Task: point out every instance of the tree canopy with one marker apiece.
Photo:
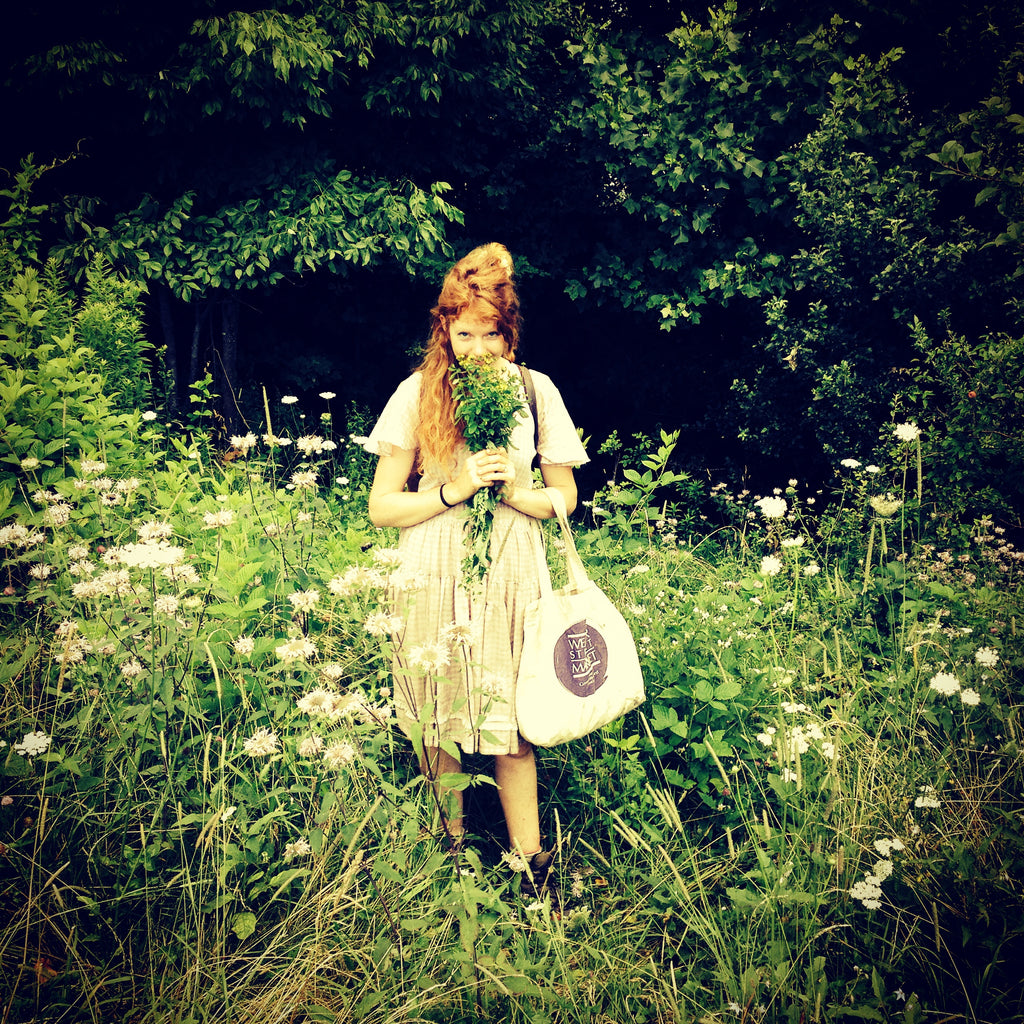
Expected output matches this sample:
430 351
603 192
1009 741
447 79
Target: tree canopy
762 199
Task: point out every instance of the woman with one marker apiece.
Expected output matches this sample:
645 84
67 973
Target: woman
457 652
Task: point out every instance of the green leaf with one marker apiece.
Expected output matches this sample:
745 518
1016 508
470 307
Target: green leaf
243 924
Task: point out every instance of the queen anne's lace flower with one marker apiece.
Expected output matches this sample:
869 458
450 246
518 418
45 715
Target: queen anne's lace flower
907 431
771 565
34 743
987 657
886 506
772 508
154 555
944 683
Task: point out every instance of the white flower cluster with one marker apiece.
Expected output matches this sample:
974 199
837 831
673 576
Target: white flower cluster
907 432
314 444
790 742
946 684
869 889
772 508
299 848
885 506
927 799
146 555
262 743
17 536
219 519
987 657
304 600
297 649
356 578
33 744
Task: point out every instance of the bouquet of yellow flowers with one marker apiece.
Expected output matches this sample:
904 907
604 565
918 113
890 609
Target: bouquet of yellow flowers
488 400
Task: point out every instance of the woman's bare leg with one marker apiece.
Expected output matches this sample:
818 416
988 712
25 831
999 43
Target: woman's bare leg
516 776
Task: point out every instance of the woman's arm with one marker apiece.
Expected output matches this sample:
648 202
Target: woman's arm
534 502
390 504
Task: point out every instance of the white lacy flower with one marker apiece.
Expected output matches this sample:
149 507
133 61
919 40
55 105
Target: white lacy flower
771 565
296 649
299 848
262 742
886 506
166 604
317 701
850 463
970 697
304 600
215 520
304 479
339 754
243 646
244 443
944 683
152 555
772 508
907 431
310 746
987 657
33 743
155 531
429 658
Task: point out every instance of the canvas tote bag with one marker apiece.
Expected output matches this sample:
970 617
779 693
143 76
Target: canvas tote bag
579 668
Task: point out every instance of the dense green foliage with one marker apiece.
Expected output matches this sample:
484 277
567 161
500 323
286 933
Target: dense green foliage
788 238
771 196
206 813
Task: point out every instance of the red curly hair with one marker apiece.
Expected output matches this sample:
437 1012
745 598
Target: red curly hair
482 282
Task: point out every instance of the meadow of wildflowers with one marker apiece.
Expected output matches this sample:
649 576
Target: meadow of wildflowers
207 813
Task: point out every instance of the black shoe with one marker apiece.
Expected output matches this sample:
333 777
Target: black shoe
539 876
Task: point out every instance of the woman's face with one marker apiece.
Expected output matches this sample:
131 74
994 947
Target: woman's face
473 336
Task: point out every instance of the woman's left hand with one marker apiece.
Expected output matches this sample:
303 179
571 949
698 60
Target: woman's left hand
503 476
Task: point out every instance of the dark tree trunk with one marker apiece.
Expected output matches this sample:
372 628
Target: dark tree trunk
228 361
173 398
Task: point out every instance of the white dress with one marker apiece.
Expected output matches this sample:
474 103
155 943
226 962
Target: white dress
457 653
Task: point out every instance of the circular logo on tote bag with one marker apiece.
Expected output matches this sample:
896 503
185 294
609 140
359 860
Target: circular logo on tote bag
581 659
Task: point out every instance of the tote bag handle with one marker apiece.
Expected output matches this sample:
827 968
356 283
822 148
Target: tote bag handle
578 579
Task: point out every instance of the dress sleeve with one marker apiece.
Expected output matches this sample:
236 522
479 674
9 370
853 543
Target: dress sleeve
558 443
398 423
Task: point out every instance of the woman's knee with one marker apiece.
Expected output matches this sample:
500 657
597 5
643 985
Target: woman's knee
524 752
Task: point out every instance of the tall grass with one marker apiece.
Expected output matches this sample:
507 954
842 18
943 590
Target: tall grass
208 816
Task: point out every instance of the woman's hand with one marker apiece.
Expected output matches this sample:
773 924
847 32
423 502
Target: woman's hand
482 469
